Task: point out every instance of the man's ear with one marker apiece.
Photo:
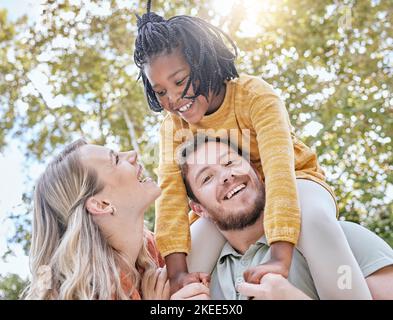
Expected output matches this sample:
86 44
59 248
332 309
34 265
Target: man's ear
198 209
97 207
254 167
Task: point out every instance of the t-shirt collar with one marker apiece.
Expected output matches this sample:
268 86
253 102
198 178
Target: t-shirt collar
228 250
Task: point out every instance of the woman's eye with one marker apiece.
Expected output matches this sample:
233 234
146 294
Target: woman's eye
206 179
160 93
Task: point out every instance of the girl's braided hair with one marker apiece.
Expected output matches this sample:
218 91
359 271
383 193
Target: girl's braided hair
202 44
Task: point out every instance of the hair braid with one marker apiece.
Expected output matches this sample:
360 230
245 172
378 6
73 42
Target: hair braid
203 45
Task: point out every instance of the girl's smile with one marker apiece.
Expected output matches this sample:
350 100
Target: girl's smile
168 75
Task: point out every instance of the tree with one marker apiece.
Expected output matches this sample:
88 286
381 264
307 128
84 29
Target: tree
11 287
14 61
330 61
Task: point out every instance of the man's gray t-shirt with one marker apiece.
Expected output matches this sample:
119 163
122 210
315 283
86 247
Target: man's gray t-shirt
371 252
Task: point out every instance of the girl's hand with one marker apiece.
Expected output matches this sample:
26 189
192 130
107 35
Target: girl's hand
161 286
272 287
192 291
184 278
279 263
256 274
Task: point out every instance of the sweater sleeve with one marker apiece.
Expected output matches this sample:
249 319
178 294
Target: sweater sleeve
153 250
270 119
172 231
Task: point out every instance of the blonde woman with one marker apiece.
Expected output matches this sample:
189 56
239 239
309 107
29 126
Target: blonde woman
89 239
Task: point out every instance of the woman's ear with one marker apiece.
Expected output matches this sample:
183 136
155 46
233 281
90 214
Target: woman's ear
97 207
198 209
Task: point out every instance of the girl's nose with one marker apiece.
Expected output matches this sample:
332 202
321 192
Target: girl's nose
173 99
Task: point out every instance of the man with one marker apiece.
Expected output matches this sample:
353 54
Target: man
224 188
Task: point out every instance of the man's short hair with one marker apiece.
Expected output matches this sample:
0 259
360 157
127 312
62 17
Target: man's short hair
191 146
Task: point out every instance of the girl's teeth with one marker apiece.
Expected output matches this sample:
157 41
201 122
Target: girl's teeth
186 107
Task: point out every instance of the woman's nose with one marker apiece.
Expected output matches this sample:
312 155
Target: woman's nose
131 156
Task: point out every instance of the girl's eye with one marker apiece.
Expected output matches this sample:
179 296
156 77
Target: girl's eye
117 158
180 82
160 93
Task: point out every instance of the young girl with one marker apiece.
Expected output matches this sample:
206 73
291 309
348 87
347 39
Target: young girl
188 71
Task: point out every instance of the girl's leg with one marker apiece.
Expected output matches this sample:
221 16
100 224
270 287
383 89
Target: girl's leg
333 267
206 245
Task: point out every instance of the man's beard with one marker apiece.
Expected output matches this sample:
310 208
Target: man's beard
226 221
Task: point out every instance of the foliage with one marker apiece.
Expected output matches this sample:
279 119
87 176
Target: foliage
11 287
331 62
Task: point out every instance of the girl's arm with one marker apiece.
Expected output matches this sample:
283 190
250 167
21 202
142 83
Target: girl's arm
172 232
172 223
271 122
273 134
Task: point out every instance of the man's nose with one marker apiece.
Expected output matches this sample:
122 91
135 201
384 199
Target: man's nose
227 176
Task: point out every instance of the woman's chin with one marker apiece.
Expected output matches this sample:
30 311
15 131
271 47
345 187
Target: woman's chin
157 191
152 190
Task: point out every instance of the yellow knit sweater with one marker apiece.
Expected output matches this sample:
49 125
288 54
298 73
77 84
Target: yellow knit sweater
250 107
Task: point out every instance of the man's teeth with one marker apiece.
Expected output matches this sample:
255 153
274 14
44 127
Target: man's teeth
232 192
186 107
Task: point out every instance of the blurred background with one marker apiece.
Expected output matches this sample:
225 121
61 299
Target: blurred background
66 71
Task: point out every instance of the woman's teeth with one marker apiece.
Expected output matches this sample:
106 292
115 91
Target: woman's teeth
140 176
186 107
146 179
143 179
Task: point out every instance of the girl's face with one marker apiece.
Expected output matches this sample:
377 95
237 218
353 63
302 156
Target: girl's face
122 177
168 75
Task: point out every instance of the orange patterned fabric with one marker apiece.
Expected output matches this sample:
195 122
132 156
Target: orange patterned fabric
250 106
152 248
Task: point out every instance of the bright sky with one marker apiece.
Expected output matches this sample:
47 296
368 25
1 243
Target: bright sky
17 8
12 182
12 169
11 166
11 189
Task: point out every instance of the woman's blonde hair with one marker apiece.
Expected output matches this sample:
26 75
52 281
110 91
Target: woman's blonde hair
69 256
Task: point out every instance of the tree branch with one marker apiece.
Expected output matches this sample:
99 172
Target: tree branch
131 130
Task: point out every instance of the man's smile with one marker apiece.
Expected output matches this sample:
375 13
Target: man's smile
233 190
